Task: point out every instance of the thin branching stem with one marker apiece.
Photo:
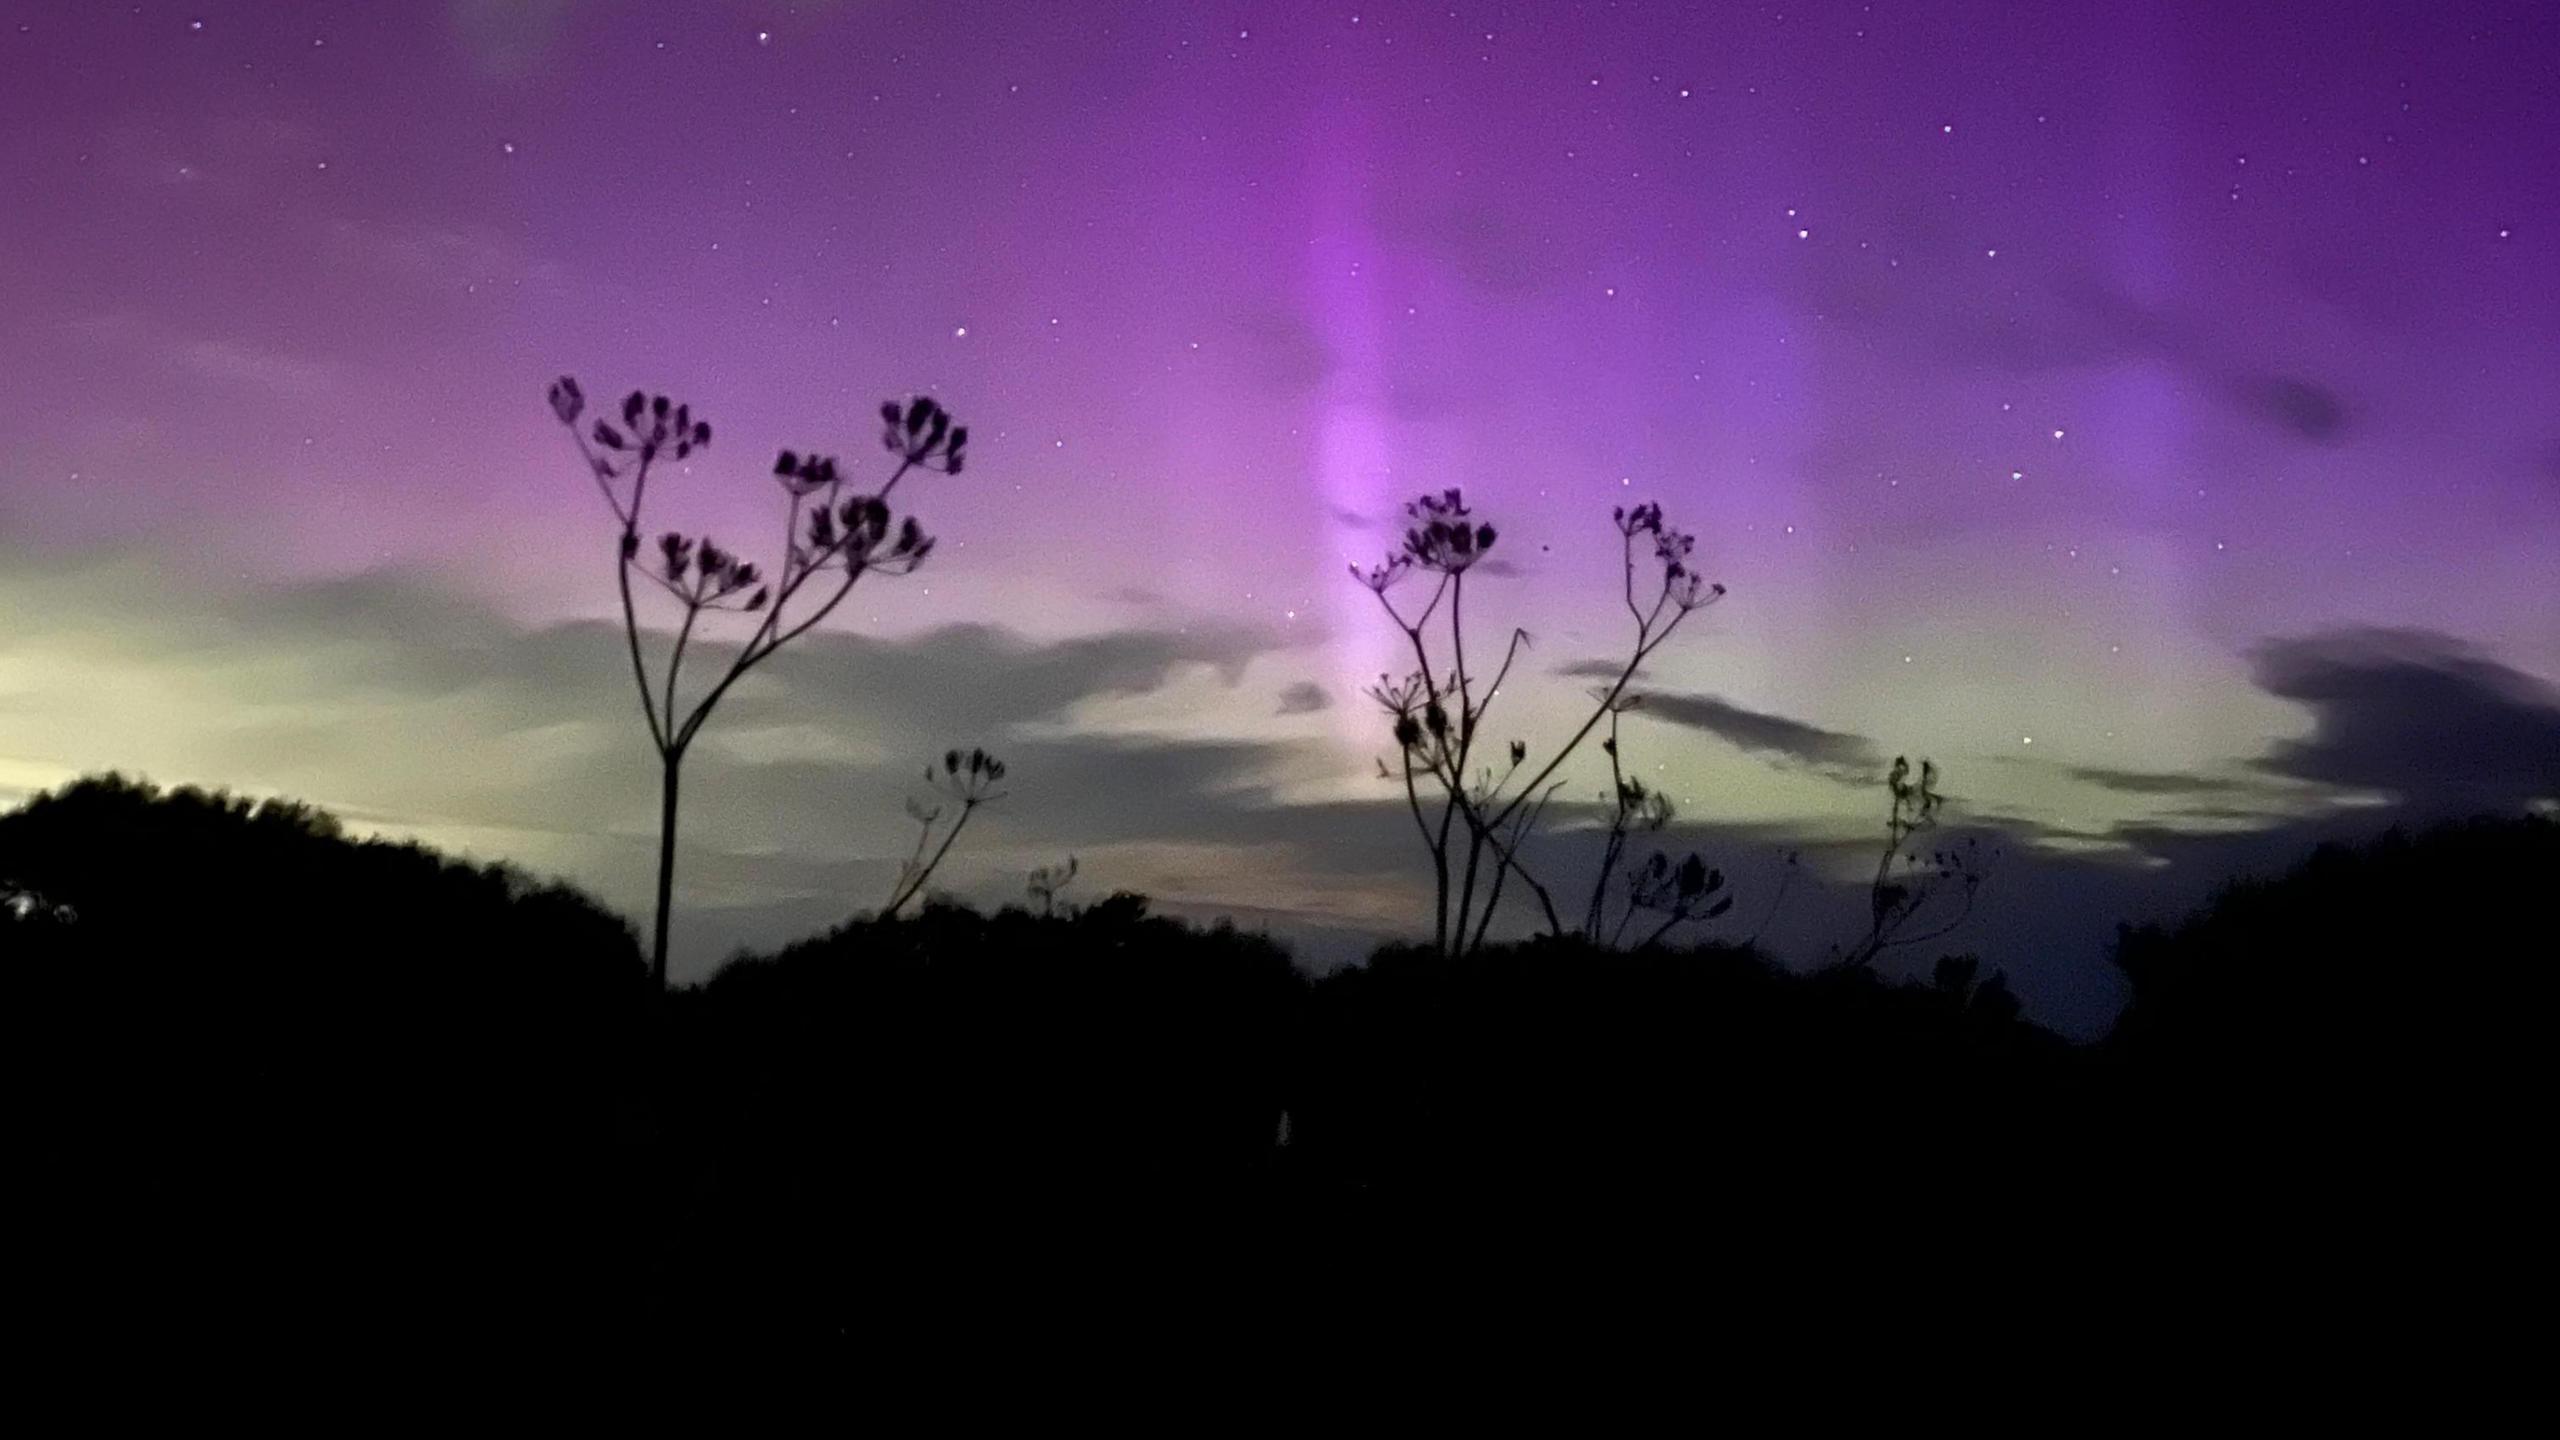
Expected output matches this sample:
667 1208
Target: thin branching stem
1441 743
675 657
915 883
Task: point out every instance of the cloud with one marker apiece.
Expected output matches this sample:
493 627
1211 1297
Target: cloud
1490 248
1596 670
2150 782
1852 759
1281 351
2415 715
1306 697
224 361
253 366
2084 322
2125 327
437 255
2310 410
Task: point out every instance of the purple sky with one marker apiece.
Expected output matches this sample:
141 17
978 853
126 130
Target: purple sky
2051 384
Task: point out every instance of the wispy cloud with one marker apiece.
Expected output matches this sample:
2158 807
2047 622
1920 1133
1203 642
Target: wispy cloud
2156 782
1596 669
223 360
1306 697
1851 759
438 254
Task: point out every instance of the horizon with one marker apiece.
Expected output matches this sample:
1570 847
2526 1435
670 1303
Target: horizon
2148 417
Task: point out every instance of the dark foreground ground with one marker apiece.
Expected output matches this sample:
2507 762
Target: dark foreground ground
270 1084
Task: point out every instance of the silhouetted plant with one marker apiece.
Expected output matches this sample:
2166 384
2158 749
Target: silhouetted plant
1789 866
1437 714
829 532
967 781
1689 890
1955 976
1046 881
1899 896
1633 807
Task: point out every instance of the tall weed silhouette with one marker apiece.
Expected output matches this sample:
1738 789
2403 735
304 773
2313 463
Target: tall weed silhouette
1476 818
832 538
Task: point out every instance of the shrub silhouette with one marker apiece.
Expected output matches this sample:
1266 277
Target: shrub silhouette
257 1057
828 533
2376 1010
258 1050
885 1107
1560 1068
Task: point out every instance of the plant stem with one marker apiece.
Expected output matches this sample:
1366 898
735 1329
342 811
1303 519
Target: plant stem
674 769
908 892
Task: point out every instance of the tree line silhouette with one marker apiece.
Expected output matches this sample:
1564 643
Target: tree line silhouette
259 1053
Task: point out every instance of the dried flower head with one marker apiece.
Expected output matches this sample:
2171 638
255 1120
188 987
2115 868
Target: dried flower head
652 425
1397 697
804 474
1443 537
1694 592
567 400
921 433
1383 576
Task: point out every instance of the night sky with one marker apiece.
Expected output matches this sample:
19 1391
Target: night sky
2151 411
